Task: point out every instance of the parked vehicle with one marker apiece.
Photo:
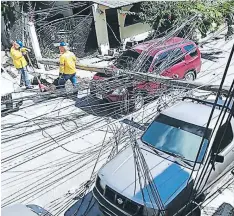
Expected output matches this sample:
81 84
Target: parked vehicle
176 58
170 147
24 210
10 99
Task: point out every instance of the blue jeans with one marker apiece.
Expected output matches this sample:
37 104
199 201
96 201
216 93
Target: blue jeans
65 77
24 76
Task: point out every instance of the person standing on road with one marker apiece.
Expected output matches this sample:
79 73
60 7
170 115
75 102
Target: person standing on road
17 53
67 69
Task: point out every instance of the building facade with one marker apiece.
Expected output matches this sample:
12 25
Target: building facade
116 25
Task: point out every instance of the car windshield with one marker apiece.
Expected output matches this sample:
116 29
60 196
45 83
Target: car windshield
128 58
177 137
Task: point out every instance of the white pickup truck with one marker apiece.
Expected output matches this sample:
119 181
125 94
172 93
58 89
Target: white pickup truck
170 147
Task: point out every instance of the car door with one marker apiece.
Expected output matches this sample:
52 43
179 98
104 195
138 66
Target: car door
226 147
175 64
192 57
156 67
223 145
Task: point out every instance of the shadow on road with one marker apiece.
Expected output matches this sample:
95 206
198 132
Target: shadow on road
98 107
212 56
86 206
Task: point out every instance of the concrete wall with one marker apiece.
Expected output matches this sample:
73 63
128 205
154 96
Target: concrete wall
132 30
101 27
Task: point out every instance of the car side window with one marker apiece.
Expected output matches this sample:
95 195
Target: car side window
191 49
223 137
160 59
177 56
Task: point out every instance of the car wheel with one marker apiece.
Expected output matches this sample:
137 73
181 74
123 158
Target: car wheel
189 76
138 101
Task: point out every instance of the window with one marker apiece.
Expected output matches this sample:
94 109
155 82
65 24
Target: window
168 58
223 138
175 136
148 61
191 49
158 64
177 56
132 17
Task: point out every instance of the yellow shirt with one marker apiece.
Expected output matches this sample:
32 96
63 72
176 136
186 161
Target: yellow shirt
67 63
18 59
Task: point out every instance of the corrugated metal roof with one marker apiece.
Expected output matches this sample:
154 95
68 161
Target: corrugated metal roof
116 3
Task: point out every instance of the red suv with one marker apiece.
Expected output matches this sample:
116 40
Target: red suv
176 58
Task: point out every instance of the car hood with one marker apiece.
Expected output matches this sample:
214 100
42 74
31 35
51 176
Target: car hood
17 209
169 177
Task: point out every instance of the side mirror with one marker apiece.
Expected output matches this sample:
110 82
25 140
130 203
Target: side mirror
219 158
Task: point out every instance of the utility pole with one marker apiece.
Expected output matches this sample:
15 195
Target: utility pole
145 76
33 36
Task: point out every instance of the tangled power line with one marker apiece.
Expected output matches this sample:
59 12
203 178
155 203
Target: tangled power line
59 127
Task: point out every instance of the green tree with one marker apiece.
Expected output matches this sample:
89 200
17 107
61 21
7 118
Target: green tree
164 15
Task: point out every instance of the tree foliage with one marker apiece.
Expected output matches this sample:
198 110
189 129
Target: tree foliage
162 15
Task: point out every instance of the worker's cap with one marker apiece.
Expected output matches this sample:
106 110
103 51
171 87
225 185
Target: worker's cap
63 44
20 43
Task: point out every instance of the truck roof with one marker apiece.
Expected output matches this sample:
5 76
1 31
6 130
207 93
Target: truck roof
193 113
171 42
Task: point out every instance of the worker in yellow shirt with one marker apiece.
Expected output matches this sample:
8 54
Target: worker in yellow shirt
17 53
67 70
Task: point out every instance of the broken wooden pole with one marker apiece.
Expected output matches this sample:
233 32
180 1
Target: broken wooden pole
80 66
146 76
178 83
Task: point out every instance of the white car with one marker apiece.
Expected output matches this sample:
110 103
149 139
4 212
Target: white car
170 146
24 210
11 98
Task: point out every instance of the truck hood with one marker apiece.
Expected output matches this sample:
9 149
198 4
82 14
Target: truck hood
121 175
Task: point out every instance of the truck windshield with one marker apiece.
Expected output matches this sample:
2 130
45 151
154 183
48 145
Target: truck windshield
177 137
128 58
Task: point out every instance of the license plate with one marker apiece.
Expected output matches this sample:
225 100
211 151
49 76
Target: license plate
99 96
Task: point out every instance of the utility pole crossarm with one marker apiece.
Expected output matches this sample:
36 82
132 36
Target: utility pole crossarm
80 66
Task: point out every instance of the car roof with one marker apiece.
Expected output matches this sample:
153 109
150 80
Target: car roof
170 43
193 113
16 210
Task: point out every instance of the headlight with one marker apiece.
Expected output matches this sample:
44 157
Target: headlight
119 91
102 184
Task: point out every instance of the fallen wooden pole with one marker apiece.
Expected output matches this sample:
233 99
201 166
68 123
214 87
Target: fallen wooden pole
179 83
80 66
146 76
